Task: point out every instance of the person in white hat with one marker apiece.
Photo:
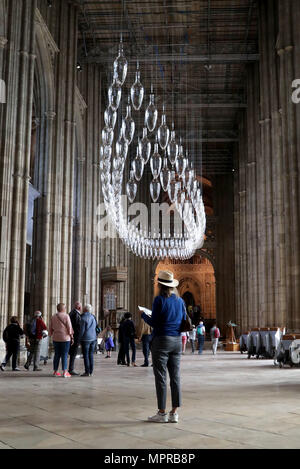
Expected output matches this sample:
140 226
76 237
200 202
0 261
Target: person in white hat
168 312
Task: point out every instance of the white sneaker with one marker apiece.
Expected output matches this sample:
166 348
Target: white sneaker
173 418
158 418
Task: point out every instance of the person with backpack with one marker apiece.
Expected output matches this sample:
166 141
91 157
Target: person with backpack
88 338
200 337
11 337
35 332
214 335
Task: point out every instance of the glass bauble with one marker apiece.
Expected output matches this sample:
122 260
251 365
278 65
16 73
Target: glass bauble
151 114
155 190
145 146
181 162
128 126
163 133
120 65
172 148
165 175
138 167
131 187
110 117
137 92
121 147
155 162
107 136
114 94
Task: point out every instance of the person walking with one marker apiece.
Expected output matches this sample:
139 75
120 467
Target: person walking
200 337
168 312
61 331
214 335
121 354
88 339
11 336
109 341
129 336
184 339
75 316
35 332
145 336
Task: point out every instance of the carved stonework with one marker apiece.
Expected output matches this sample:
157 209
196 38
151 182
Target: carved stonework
80 101
51 44
3 42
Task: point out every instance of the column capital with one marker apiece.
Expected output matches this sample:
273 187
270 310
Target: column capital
50 115
3 42
73 123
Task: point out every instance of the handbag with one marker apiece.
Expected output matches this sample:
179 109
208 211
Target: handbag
186 324
60 320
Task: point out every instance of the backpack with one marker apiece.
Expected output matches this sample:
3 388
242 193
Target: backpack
200 330
217 333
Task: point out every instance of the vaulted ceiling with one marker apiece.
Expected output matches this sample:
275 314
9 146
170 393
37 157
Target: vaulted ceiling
195 52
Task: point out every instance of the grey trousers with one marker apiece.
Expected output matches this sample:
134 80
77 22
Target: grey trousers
34 353
166 354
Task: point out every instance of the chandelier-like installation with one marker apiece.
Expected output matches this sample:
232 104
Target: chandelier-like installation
171 170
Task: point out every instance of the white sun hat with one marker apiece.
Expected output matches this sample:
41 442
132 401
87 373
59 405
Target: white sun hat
165 277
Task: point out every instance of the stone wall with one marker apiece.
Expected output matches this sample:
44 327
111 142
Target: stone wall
267 184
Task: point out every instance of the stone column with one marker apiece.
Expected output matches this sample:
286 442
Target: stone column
288 50
21 158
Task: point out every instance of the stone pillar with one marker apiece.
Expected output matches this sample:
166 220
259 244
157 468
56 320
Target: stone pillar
288 46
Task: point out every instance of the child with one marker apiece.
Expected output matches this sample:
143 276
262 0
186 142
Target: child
11 337
109 342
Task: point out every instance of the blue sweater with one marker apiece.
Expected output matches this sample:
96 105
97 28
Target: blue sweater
88 327
167 315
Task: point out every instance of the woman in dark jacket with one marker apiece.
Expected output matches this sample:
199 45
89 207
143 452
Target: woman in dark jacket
128 330
168 311
11 337
121 354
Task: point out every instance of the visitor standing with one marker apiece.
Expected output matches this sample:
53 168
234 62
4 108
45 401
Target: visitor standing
35 332
168 312
109 341
129 336
61 332
121 354
145 336
200 337
11 336
88 338
75 316
214 335
192 338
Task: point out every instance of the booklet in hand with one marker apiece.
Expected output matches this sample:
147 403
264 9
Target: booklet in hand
145 310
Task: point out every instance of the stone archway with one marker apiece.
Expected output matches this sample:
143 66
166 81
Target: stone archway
196 276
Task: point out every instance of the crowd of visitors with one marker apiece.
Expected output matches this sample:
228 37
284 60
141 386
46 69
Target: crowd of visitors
165 333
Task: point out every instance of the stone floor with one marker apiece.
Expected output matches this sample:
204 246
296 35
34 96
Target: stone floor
228 402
